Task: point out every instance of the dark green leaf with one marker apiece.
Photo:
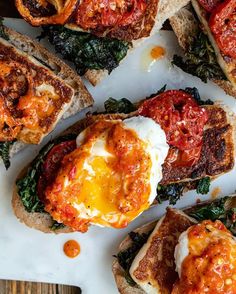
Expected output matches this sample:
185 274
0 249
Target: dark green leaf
213 211
2 30
85 50
57 226
4 153
119 106
195 93
200 59
171 192
203 186
162 90
126 257
27 186
217 210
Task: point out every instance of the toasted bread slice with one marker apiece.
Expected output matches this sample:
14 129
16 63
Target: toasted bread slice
159 249
221 120
153 268
80 99
185 25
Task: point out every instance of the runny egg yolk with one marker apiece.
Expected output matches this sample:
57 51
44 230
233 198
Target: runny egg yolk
106 181
210 265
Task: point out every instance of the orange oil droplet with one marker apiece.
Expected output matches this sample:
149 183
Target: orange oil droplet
71 248
157 52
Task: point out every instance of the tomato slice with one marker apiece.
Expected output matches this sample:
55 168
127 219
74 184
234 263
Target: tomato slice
183 158
109 13
52 164
64 10
223 26
179 116
209 5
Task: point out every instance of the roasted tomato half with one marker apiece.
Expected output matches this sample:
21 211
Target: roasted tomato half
179 116
43 12
51 165
209 5
223 26
183 121
109 13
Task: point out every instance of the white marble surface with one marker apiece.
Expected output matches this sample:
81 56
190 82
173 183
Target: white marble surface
26 254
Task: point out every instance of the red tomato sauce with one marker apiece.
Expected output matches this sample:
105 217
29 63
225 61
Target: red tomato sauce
92 14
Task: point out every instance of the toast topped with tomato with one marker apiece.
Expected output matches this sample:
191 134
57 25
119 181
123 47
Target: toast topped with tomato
37 89
206 32
155 257
97 35
139 154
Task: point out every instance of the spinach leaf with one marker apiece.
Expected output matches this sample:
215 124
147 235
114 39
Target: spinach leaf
119 106
126 257
85 50
200 59
203 185
212 211
4 153
57 226
217 210
2 30
171 192
27 186
195 93
162 90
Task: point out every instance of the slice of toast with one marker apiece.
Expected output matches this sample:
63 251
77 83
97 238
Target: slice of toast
156 251
218 120
185 25
81 97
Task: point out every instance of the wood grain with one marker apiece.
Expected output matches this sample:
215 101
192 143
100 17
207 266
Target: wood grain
16 287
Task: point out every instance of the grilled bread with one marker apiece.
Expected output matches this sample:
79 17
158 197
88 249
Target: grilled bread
185 24
216 159
153 268
35 79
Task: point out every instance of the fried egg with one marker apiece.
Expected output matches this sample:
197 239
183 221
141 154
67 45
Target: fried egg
111 177
205 260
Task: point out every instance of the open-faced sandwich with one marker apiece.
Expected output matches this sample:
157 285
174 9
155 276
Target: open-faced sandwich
206 30
108 168
190 251
36 90
97 35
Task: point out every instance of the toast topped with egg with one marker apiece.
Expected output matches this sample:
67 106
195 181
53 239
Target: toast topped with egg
97 35
151 257
37 90
131 152
205 31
